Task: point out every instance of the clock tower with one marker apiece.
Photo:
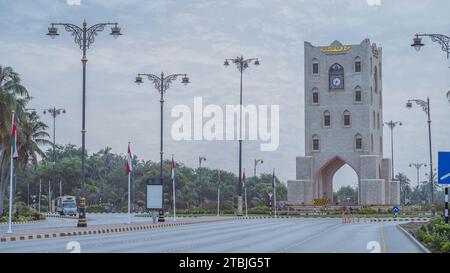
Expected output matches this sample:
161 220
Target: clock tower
343 125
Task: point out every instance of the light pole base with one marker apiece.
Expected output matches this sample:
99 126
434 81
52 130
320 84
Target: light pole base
82 213
240 212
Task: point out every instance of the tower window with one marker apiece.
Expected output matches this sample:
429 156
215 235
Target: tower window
315 67
358 64
315 96
378 120
347 121
358 142
376 79
326 119
358 94
316 143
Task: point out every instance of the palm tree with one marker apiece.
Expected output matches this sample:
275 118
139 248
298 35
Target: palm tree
404 185
13 97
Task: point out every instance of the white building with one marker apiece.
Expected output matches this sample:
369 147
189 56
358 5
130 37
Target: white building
343 125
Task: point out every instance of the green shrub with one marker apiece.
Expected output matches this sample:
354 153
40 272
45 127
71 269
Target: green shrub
445 248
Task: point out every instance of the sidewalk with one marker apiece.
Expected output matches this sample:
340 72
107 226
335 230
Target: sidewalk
101 229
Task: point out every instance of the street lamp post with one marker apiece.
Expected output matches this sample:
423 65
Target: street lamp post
162 84
54 112
200 159
426 108
418 165
257 161
241 65
84 37
391 124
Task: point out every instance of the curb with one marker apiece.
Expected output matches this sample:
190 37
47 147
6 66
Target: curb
414 240
104 230
399 219
24 222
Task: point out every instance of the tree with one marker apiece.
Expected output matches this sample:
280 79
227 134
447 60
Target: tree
405 189
13 97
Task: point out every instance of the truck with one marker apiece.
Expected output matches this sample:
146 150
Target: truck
66 205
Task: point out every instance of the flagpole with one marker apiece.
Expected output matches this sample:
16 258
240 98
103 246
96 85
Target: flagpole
129 183
274 193
173 191
129 199
245 193
11 175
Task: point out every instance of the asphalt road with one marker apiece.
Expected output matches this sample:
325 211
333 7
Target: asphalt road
254 236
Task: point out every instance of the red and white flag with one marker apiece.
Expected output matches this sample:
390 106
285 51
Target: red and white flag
173 169
129 160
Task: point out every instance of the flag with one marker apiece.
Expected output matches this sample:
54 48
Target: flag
173 169
15 155
243 178
129 160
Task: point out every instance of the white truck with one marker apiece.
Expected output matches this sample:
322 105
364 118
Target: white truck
66 205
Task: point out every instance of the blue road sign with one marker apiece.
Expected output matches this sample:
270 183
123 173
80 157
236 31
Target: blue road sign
444 168
395 210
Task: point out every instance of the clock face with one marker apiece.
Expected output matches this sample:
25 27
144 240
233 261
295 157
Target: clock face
336 82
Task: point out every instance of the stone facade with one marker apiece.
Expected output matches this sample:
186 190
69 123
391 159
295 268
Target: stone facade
343 124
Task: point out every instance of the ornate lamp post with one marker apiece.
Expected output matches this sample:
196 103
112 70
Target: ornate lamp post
161 84
418 165
84 37
257 161
441 39
426 108
54 112
391 124
241 64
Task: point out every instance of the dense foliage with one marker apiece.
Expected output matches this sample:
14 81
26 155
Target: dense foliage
435 235
107 188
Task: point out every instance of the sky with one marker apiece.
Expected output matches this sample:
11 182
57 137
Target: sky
195 37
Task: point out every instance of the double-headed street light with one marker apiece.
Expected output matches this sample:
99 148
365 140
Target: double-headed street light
54 112
391 124
418 165
241 64
84 37
426 108
161 84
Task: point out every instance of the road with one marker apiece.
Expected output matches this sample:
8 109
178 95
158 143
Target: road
252 235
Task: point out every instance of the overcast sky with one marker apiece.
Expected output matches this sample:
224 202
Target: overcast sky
194 37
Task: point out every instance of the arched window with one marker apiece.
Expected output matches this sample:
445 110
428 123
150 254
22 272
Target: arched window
326 119
315 66
375 75
315 96
371 143
378 120
336 77
357 64
374 121
347 118
358 94
358 142
371 96
315 143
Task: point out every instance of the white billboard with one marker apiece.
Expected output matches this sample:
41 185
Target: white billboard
154 196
